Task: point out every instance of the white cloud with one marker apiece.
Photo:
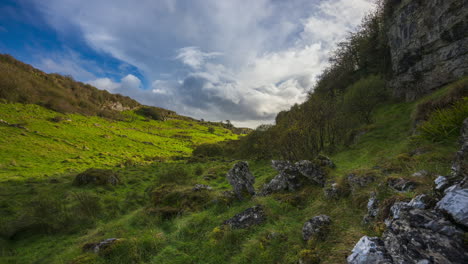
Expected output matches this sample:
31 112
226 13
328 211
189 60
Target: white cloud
127 85
194 57
247 60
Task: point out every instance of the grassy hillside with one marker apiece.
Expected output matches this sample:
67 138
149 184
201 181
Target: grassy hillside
140 211
38 142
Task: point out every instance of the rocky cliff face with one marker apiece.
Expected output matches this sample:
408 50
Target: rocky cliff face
428 40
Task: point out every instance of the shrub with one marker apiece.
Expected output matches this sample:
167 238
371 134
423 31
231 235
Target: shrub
446 123
362 97
208 150
97 177
211 130
87 205
151 112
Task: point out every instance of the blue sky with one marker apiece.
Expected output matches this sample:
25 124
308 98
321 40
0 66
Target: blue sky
240 60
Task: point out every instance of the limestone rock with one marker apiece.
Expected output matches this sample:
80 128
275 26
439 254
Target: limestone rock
441 183
293 176
251 216
369 250
316 227
428 45
419 235
372 208
455 203
241 179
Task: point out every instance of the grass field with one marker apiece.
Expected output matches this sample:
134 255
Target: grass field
38 169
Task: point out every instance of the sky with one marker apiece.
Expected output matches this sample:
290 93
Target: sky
237 60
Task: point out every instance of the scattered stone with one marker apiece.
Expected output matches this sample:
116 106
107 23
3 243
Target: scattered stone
201 187
316 227
369 250
251 216
455 203
424 235
441 183
293 176
100 246
401 184
311 171
357 182
421 173
97 177
241 180
332 191
420 202
372 209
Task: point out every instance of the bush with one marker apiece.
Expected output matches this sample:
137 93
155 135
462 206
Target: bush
97 177
445 124
87 205
151 112
362 97
208 150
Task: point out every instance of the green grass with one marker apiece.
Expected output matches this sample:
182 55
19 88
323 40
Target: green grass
196 235
47 148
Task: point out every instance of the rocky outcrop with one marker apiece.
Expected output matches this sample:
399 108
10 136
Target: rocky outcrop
369 250
428 43
241 180
293 176
316 227
251 216
424 236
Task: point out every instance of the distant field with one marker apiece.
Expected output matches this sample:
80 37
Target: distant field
44 142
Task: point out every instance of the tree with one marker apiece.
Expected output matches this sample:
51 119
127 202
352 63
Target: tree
362 97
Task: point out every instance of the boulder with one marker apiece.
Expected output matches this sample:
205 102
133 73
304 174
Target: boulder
369 250
251 216
96 177
241 179
455 203
311 171
316 227
293 176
